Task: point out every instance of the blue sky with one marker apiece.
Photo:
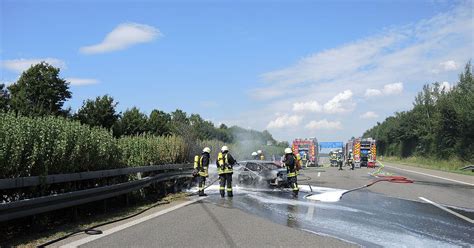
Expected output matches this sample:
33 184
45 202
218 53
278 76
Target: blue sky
329 69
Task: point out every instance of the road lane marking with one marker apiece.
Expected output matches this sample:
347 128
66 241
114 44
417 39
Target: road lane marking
319 174
426 174
128 224
448 210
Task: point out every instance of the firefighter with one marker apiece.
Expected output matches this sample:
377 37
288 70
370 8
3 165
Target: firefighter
260 155
351 159
254 155
290 162
339 160
201 165
225 163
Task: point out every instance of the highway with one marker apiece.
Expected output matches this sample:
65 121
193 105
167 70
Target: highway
383 215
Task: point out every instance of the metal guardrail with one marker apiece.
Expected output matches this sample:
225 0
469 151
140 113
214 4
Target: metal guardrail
22 208
21 182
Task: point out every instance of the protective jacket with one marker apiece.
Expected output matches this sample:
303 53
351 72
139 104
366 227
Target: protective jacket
291 161
201 164
225 163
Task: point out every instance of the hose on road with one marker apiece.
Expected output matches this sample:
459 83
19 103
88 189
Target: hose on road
391 179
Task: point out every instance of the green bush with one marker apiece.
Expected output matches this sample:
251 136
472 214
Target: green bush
52 145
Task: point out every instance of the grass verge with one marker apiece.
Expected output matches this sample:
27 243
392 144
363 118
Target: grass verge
451 165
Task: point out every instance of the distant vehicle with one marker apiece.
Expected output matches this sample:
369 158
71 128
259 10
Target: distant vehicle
308 151
261 173
364 151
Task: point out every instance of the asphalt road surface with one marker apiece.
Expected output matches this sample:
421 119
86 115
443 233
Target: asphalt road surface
383 215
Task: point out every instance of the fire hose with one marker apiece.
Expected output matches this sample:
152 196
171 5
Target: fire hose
391 179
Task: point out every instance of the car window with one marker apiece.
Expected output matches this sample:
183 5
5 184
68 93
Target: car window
271 166
252 166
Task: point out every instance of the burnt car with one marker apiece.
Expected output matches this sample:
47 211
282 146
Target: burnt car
262 173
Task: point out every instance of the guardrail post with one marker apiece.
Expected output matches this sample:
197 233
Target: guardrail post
105 206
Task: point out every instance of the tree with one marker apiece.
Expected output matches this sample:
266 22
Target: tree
39 91
159 123
179 116
99 112
133 122
4 98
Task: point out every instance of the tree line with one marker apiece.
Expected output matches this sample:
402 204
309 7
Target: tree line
40 91
440 125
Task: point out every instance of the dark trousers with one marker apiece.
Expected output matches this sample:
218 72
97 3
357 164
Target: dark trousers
202 184
294 185
340 165
225 180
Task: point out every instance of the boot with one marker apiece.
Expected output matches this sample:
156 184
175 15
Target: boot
201 193
229 194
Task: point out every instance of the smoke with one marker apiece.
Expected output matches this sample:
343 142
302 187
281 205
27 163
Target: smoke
245 142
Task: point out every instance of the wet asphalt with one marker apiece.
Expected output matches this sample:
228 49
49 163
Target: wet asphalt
383 215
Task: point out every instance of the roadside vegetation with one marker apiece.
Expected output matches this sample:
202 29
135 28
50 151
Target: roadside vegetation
39 137
438 132
452 165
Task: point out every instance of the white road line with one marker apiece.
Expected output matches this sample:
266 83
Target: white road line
448 210
129 224
426 174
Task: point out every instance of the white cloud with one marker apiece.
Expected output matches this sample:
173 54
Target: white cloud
82 81
20 65
340 103
324 124
449 65
122 37
393 89
369 115
387 90
312 106
285 121
372 92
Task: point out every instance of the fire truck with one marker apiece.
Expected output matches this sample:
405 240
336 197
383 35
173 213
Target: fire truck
308 150
364 151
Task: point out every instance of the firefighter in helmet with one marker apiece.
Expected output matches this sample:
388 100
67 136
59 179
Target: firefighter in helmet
291 163
254 155
201 165
260 155
225 164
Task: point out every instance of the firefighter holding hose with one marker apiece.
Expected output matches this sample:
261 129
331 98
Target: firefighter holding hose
225 163
201 165
291 163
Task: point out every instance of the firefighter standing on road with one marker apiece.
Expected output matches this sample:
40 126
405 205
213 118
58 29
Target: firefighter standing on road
254 155
225 163
291 163
260 155
201 165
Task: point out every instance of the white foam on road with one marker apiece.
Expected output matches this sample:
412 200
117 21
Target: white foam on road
333 196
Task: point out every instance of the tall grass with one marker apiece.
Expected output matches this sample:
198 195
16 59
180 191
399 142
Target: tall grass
51 145
151 150
54 145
